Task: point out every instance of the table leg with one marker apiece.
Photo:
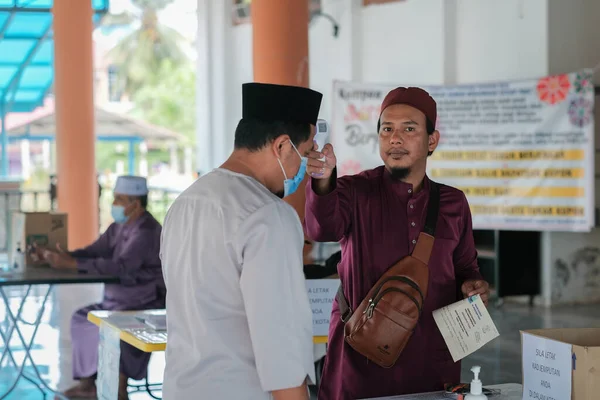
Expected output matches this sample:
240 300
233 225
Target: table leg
13 361
148 387
27 345
6 337
10 328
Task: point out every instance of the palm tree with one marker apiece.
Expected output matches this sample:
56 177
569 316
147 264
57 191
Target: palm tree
139 55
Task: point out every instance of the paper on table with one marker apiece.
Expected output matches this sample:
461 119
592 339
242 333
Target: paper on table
416 396
466 326
109 356
156 322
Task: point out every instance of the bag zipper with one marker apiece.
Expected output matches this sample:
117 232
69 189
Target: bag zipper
401 279
372 303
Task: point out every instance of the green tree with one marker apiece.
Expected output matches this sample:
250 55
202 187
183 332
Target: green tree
140 53
169 99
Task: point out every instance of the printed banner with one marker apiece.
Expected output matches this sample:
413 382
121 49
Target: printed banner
522 151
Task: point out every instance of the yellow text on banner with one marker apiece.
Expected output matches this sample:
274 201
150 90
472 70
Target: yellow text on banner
507 173
537 191
528 211
522 155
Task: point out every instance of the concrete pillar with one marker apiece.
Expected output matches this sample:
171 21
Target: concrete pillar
74 100
204 90
214 122
280 46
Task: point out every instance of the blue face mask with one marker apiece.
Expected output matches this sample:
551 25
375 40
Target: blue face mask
118 214
292 184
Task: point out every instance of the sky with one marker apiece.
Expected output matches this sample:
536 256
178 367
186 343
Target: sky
181 16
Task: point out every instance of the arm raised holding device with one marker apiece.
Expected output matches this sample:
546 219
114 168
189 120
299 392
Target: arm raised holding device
322 161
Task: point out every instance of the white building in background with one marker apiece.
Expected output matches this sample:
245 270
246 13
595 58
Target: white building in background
405 42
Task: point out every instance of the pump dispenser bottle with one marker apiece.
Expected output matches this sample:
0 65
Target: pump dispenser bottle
476 386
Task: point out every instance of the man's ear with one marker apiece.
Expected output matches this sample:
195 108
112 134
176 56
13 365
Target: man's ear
277 145
434 139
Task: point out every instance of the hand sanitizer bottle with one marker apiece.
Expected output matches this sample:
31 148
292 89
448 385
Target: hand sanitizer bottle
476 386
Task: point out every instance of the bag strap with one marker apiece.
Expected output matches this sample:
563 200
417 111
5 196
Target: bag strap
433 208
345 310
422 249
424 246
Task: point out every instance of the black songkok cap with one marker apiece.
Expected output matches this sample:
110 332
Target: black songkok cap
268 102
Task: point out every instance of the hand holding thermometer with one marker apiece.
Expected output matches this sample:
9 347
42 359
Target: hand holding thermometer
320 166
322 135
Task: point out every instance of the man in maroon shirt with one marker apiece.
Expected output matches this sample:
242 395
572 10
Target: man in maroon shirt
377 216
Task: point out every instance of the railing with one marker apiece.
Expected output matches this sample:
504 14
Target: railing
159 201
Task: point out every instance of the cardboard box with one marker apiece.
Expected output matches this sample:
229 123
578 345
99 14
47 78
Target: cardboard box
561 364
43 228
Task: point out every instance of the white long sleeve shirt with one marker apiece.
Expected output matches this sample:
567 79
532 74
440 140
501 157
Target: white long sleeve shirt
239 322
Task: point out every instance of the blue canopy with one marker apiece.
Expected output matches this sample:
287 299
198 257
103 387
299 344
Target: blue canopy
27 56
27 50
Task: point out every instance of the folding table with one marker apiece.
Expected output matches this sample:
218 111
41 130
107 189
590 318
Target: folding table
34 276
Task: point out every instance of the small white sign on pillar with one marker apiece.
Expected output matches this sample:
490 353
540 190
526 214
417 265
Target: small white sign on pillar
109 356
321 293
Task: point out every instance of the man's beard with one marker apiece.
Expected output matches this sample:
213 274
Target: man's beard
399 174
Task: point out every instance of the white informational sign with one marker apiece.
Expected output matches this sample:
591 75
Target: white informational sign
522 151
547 368
321 293
466 326
109 355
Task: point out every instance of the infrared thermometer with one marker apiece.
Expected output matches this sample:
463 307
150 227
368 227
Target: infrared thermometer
322 135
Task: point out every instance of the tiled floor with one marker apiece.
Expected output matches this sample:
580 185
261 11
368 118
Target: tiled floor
500 360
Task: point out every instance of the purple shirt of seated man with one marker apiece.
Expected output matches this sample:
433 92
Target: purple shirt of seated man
128 249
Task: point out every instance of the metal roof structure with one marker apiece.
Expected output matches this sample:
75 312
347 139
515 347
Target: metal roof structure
27 52
27 56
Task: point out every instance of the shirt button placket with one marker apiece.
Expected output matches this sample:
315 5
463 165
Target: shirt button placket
412 223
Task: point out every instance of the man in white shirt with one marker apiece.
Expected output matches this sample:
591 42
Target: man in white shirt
239 321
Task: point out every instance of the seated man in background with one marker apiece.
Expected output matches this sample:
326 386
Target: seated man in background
128 249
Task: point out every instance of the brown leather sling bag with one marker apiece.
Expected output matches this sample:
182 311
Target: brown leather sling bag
384 321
